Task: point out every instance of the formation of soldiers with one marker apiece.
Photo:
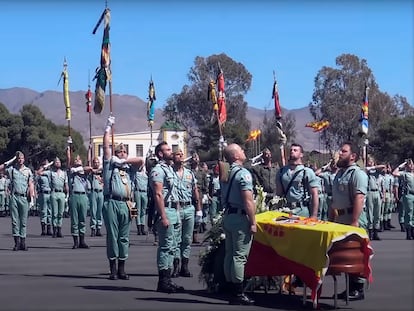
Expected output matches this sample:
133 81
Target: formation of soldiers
177 201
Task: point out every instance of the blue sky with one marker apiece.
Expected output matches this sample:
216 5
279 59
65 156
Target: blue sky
162 38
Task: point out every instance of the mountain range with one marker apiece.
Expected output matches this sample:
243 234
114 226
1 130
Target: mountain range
130 113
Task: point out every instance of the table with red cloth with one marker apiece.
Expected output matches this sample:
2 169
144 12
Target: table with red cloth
286 244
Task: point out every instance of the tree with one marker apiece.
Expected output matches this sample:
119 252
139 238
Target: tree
192 109
338 97
37 137
394 141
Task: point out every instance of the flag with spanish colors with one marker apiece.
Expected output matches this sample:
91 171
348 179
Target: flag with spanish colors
364 112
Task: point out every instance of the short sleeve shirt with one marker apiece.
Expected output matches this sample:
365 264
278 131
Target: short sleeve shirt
117 181
186 184
19 178
242 181
162 173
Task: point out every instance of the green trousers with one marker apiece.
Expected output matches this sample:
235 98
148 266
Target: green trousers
19 210
2 201
58 205
78 205
408 203
373 208
45 208
167 242
96 201
117 222
141 201
386 208
237 246
184 232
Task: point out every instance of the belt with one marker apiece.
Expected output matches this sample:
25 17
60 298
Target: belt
373 190
116 198
235 210
344 211
55 190
180 204
20 194
97 190
45 192
141 190
79 192
2 189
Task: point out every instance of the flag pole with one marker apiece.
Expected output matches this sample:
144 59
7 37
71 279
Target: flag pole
150 107
278 115
66 98
88 97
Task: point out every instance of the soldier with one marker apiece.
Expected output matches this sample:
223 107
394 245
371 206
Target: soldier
43 186
327 173
407 178
387 197
298 184
22 187
96 197
373 198
60 192
118 207
215 193
3 191
239 222
79 188
140 181
162 182
264 174
399 190
348 198
187 192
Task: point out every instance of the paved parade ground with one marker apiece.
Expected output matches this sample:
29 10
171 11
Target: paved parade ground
52 276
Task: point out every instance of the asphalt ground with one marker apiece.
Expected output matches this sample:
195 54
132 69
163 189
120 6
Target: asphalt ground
52 276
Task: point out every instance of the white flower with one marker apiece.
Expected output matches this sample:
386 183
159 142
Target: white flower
222 236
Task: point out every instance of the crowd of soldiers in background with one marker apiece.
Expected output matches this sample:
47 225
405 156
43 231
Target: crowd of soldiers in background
387 193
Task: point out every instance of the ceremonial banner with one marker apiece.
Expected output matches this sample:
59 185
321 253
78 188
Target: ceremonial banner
150 104
286 245
103 74
88 97
275 96
66 99
364 112
221 99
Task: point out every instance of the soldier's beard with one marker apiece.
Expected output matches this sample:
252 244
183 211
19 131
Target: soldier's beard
342 163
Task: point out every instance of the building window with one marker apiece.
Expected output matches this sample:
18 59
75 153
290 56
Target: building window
174 148
139 149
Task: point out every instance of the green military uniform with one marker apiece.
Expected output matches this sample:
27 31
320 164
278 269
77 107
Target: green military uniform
236 224
185 187
3 193
387 202
373 203
58 198
140 182
202 183
78 203
265 176
401 190
323 205
347 184
96 201
117 191
328 178
43 187
167 245
296 185
215 194
408 202
19 205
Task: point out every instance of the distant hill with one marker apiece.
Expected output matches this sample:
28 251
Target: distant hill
130 112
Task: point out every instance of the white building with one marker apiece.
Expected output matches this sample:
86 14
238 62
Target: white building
139 143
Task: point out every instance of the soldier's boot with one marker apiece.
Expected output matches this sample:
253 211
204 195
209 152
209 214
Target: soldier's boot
59 232
239 298
112 269
16 243
402 227
121 270
409 235
155 238
176 268
178 288
143 232
163 285
381 226
370 234
54 234
23 246
195 238
389 224
412 232
184 272
375 235
386 226
75 242
139 230
82 243
49 230
43 226
98 232
93 232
